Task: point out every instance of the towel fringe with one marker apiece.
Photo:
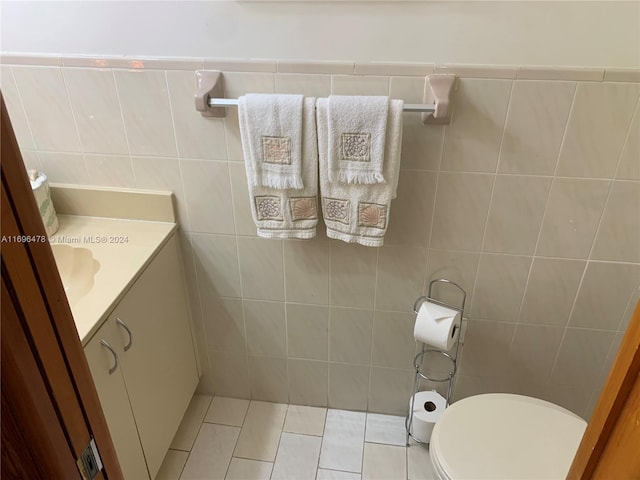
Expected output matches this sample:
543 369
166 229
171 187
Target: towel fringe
360 177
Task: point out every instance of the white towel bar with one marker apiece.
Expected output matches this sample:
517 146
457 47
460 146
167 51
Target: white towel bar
408 107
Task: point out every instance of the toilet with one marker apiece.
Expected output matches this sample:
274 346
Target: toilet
504 436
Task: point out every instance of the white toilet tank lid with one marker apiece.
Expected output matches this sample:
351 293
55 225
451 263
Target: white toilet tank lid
504 436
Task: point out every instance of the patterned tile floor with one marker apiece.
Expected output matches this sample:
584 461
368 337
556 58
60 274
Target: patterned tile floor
232 439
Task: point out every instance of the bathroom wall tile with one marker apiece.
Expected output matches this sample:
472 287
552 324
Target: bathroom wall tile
216 260
390 390
350 85
629 167
224 324
297 457
243 219
197 136
306 268
350 332
412 211
261 268
478 71
268 378
191 422
260 434
227 411
211 453
515 215
352 278
400 277
472 139
459 267
207 191
30 59
571 218
604 373
470 386
234 65
266 328
134 63
573 399
393 342
622 75
96 109
348 386
486 349
551 290
230 374
146 111
343 441
500 287
303 66
631 306
392 68
593 143
307 331
237 84
308 85
16 112
582 74
64 167
384 462
109 170
232 135
604 294
156 173
409 89
582 354
53 127
308 382
31 159
386 429
462 204
535 125
172 465
534 350
243 469
618 236
305 420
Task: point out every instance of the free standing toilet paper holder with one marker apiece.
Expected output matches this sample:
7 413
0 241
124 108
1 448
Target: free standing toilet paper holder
419 358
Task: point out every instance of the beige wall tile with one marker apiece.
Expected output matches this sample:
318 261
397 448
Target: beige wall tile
233 65
462 204
478 71
534 350
302 66
109 170
409 89
230 374
631 306
618 236
390 390
306 267
622 75
393 342
308 382
584 74
64 167
266 328
348 386
412 210
459 267
593 143
551 290
307 331
400 277
486 349
146 111
196 136
390 68
353 275
207 190
535 125
629 167
604 294
467 386
268 376
350 85
472 139
237 84
309 85
31 159
515 215
224 324
261 268
232 135
30 59
243 218
350 333
216 261
500 287
571 218
53 127
96 109
16 112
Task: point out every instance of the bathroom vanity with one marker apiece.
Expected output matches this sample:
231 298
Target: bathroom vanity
125 284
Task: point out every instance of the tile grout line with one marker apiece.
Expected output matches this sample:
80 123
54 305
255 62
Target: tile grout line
24 111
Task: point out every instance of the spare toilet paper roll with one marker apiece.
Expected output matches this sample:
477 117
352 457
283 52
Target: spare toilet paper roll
437 326
41 192
427 408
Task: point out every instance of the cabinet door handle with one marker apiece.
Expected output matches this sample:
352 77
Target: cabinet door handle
124 325
113 352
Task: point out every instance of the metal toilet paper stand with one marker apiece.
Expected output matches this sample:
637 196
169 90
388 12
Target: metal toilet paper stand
417 362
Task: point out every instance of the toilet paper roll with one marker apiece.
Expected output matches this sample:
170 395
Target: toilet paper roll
41 192
437 326
427 408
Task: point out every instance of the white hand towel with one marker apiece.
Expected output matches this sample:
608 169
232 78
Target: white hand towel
358 213
289 213
271 134
357 126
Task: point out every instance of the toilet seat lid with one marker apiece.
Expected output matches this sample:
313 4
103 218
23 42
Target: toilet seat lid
505 436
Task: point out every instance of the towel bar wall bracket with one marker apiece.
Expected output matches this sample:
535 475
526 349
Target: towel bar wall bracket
210 101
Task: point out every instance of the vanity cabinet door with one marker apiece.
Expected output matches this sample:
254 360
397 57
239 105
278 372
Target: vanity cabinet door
115 403
159 368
